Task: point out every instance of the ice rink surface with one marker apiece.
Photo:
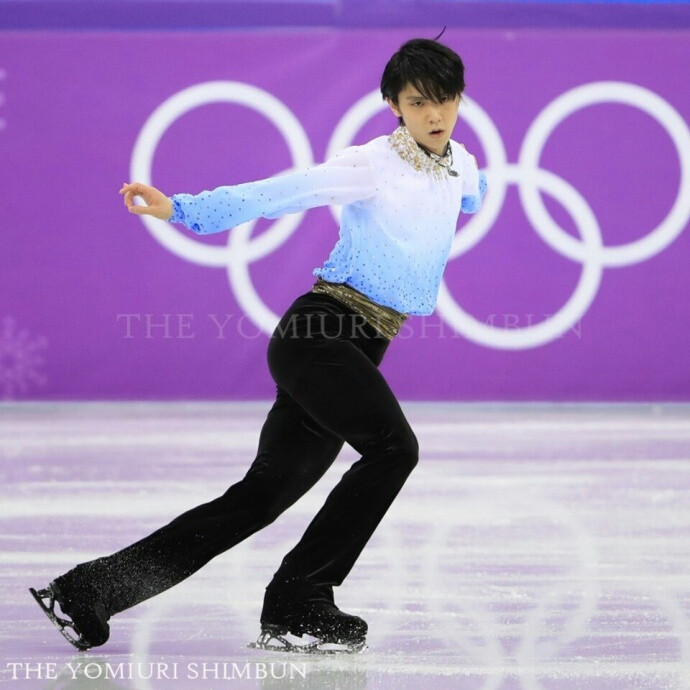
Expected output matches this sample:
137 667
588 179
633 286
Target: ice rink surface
534 547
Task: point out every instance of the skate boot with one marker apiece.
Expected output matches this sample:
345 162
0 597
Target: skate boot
312 626
87 625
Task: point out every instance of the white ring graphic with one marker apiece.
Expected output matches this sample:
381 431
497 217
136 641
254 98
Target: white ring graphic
552 116
574 308
182 102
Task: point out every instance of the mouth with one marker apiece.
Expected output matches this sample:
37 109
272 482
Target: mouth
436 133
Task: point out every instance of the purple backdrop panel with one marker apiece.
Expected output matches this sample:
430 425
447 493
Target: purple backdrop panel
571 283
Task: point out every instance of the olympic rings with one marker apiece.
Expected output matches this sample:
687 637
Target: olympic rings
589 250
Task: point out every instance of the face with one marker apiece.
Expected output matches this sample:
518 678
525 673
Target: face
429 122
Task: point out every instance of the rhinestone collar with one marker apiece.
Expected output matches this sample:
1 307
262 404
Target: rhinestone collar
411 152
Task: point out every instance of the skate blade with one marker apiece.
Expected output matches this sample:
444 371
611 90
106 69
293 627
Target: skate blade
271 642
60 623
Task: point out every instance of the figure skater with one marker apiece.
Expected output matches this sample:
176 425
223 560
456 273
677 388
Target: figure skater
401 196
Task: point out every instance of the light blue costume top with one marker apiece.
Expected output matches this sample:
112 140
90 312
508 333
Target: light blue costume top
399 216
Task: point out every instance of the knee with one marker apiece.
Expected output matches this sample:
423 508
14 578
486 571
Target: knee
401 446
409 451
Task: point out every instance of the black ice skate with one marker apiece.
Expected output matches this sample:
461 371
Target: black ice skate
88 626
317 627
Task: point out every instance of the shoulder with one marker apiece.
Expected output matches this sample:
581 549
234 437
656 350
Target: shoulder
375 154
463 157
381 143
373 149
355 156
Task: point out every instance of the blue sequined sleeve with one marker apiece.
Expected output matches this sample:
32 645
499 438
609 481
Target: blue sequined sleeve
344 179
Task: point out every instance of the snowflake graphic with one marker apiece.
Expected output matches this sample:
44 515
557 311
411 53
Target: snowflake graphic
20 360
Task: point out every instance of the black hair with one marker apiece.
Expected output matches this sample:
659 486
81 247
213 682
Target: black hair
432 68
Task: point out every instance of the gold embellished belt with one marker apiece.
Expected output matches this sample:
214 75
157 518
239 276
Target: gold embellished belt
385 320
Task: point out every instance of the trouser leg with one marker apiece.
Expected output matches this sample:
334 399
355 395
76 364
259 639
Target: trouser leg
337 383
293 453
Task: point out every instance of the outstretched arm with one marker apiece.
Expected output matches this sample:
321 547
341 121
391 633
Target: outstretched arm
344 179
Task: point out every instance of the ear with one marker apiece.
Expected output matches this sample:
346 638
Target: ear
394 107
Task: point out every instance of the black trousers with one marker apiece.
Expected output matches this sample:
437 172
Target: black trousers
323 358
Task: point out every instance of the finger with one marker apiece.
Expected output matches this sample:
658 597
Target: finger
134 187
139 210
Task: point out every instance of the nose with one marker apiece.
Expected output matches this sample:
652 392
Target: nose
434 113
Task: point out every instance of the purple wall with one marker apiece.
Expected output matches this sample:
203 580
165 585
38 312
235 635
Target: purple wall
596 121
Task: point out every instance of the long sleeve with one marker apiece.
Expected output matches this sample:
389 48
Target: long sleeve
473 185
343 179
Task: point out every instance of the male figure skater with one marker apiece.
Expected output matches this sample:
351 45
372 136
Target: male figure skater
401 196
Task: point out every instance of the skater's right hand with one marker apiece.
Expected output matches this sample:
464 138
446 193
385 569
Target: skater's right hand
157 204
